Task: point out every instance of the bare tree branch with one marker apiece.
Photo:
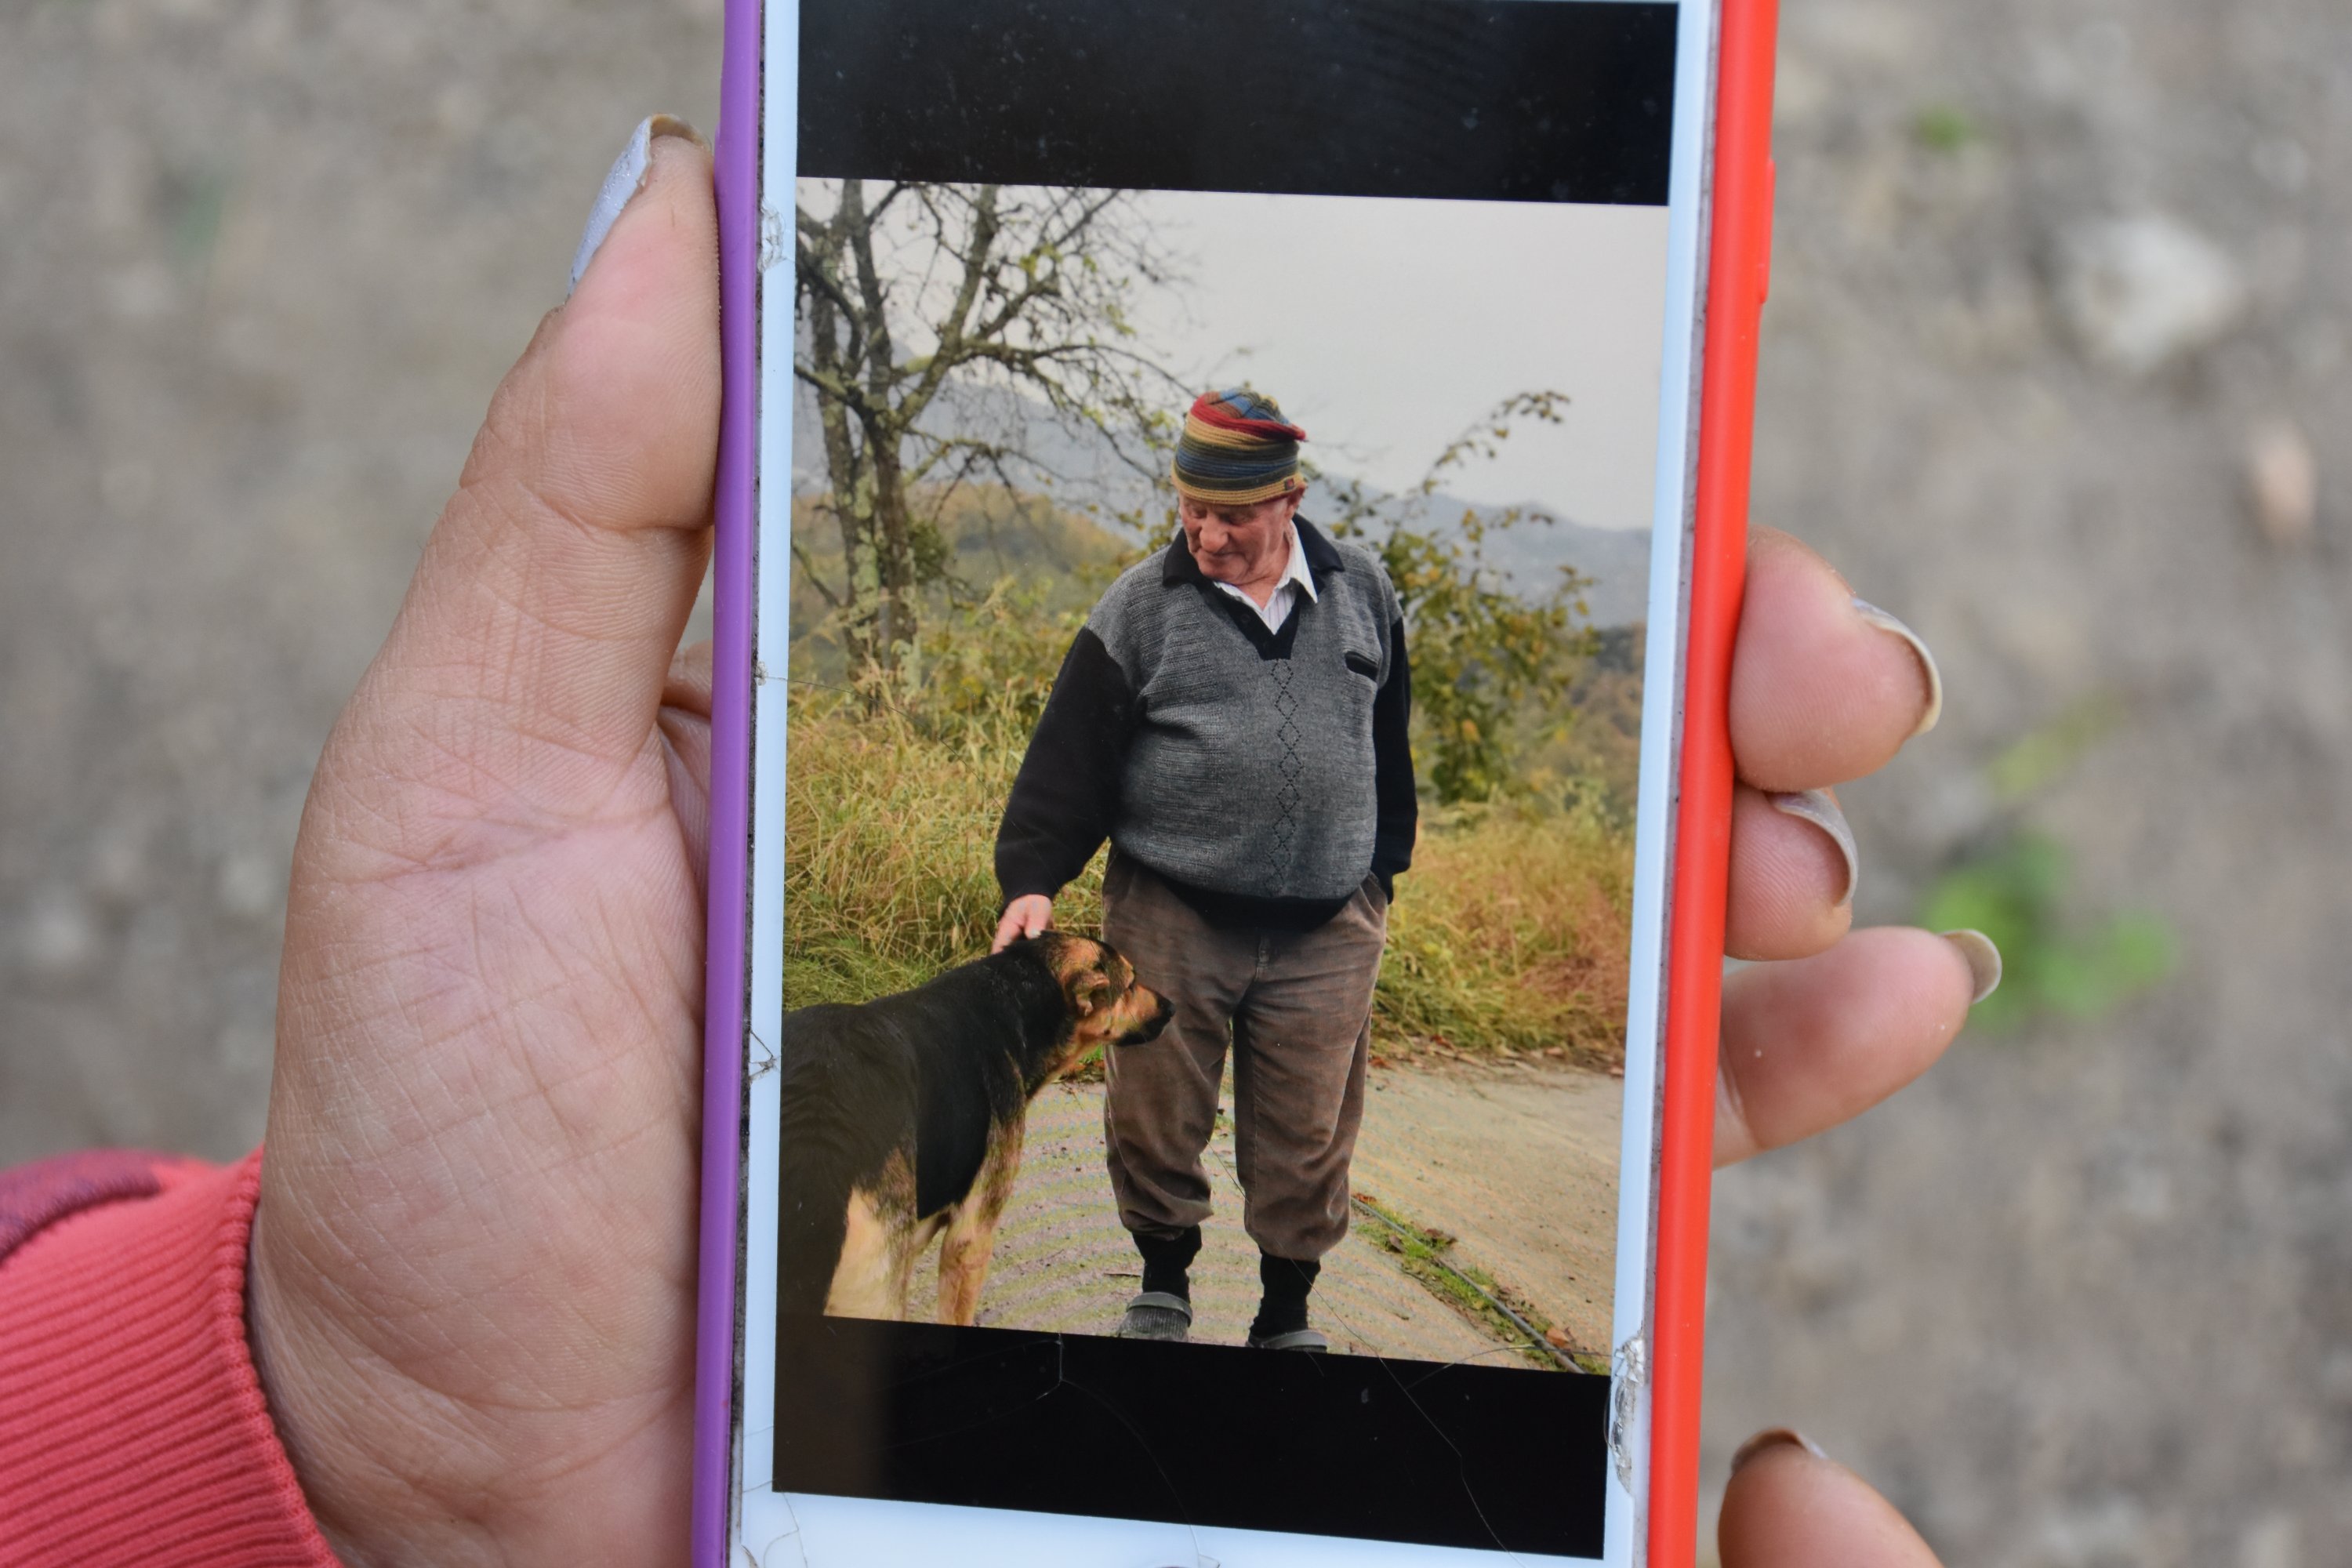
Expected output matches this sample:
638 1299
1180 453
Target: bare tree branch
1021 289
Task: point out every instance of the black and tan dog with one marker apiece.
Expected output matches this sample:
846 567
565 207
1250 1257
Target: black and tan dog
902 1118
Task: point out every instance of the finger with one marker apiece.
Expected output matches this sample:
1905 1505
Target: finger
531 656
1790 1506
1816 1041
1823 688
685 722
1007 929
1793 867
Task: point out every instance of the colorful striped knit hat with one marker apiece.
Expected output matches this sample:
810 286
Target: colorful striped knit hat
1237 449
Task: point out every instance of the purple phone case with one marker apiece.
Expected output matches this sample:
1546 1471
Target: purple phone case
725 975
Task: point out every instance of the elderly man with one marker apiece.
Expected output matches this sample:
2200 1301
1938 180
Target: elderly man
1233 719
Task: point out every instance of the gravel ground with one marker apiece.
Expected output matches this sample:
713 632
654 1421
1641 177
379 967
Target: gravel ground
2046 275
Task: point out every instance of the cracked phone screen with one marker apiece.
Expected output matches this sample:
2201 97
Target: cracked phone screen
1211 1012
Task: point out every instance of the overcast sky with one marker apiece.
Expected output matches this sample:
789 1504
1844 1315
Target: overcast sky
1386 327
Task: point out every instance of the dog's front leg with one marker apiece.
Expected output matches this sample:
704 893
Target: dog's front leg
971 1239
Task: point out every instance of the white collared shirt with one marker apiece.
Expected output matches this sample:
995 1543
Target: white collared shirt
1295 580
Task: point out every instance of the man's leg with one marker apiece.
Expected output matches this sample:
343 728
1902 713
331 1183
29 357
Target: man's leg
1301 1041
1161 1104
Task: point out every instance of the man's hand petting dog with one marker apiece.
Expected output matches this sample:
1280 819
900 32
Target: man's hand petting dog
472 1282
1024 916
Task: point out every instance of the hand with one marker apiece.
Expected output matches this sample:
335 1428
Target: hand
473 1268
1823 690
1024 916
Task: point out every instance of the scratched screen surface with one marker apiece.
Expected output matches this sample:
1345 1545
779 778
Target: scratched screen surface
1025 239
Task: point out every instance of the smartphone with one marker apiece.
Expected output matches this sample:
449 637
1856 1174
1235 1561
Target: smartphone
1230 536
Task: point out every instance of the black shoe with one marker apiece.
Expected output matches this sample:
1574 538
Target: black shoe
1281 1321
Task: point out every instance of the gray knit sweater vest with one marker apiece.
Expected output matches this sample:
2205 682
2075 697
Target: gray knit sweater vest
1252 773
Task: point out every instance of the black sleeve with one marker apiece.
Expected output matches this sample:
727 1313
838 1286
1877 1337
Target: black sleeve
1066 793
1399 809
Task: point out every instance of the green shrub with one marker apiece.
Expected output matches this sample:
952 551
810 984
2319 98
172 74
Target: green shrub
2016 892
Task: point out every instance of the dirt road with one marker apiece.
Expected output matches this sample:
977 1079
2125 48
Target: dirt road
1519 1165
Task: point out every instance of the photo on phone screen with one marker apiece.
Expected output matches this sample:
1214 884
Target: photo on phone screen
1222 496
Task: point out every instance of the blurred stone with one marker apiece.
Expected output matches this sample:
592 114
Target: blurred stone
248 885
2139 291
58 940
2108 1533
2283 484
2273 1541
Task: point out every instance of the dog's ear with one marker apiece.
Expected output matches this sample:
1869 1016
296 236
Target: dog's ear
1089 992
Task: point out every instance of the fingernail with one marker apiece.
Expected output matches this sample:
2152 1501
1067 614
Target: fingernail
1818 808
1887 623
1984 960
624 180
1774 1437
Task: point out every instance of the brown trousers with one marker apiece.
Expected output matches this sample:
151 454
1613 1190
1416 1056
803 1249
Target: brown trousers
1295 1008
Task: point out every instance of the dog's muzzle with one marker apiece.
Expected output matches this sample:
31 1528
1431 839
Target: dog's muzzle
1162 1010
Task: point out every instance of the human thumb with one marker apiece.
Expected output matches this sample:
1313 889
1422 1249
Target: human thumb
1790 1506
526 668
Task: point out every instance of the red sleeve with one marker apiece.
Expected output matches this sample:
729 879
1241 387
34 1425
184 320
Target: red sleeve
132 1427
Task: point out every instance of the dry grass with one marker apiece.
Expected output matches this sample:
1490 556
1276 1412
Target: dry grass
1509 933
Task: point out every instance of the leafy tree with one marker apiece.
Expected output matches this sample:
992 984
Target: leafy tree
1486 656
906 295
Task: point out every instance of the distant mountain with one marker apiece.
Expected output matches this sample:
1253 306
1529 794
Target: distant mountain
1616 559
1529 551
1068 460
1078 469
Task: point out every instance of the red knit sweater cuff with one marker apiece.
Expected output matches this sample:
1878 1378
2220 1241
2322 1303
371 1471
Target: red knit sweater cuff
132 1428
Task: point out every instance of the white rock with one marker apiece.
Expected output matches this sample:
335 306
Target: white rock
2141 290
